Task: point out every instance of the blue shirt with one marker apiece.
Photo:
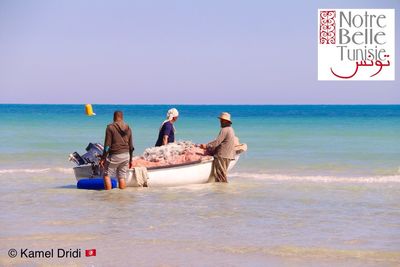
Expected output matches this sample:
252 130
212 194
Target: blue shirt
166 129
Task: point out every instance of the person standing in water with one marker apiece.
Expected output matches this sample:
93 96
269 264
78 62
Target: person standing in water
166 133
222 148
118 150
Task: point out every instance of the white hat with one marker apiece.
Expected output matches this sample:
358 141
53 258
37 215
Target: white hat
172 113
225 116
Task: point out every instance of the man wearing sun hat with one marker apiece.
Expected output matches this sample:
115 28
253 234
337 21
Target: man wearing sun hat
222 148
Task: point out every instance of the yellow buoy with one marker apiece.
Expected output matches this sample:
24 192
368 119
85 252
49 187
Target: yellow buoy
89 110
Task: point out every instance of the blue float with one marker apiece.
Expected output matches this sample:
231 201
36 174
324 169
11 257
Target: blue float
94 183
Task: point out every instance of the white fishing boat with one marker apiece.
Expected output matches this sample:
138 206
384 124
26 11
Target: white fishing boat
177 175
196 172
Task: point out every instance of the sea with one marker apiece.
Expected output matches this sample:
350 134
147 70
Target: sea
318 186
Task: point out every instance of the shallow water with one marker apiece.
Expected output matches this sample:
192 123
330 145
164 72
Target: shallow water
289 202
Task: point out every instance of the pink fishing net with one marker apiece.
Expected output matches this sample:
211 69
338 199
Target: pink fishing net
171 154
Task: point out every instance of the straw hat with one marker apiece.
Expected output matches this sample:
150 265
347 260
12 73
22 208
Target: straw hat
225 116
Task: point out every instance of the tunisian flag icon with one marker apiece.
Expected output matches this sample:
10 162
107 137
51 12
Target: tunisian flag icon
90 252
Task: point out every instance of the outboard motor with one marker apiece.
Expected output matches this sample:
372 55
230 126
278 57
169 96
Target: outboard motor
92 157
93 154
77 159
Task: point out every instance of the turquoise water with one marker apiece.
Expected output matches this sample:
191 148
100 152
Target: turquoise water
337 140
319 186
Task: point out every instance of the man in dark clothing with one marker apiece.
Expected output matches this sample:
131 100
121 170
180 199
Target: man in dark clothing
167 130
166 134
118 150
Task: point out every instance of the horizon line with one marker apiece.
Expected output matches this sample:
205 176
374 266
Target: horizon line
202 104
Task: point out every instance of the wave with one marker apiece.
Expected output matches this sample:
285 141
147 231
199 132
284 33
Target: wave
318 178
251 175
43 170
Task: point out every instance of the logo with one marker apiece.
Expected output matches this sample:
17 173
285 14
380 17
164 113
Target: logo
356 44
90 252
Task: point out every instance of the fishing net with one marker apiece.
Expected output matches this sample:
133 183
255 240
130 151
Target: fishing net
170 154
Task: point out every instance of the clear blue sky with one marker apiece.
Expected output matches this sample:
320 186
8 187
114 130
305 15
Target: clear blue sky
187 52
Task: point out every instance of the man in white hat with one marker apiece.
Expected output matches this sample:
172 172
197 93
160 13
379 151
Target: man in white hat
166 133
222 148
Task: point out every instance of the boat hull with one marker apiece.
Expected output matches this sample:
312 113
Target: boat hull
178 175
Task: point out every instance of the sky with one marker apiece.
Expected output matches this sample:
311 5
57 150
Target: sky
174 52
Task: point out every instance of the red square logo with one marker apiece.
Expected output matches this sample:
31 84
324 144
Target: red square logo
90 252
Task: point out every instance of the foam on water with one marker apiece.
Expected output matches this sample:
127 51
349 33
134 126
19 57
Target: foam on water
317 178
38 170
245 175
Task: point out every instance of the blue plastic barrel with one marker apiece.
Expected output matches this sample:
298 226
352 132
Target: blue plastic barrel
94 183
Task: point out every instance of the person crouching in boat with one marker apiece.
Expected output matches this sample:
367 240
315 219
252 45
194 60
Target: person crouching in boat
118 150
222 148
166 133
